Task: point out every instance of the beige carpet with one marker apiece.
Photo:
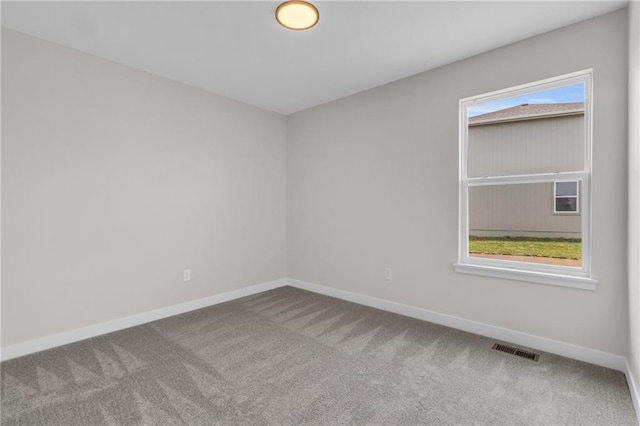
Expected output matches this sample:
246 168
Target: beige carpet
290 357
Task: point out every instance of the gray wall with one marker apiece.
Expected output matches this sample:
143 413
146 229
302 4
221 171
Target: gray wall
373 182
634 194
114 181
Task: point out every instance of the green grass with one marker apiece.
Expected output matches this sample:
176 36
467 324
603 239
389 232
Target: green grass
559 248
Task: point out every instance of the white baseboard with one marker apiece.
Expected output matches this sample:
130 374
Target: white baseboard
59 339
568 350
634 389
593 356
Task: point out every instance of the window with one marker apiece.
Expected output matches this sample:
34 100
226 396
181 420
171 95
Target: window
517 146
565 197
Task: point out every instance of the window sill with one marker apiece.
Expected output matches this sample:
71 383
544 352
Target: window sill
582 283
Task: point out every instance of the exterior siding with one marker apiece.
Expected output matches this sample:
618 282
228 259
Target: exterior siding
529 146
524 210
523 147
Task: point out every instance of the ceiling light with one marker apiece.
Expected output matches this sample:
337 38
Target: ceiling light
297 15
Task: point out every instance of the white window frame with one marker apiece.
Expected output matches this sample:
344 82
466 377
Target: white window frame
567 276
556 196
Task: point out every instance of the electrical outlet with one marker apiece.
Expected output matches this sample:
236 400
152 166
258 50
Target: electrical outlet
387 274
186 275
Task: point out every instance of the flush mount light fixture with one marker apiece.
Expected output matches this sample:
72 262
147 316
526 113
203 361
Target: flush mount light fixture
297 15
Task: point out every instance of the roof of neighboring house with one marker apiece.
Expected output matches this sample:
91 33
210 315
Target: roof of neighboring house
527 112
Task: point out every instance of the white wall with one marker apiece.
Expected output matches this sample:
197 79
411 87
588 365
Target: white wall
114 181
373 182
634 193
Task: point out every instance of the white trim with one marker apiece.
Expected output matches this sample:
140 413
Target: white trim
567 276
568 350
582 283
532 178
556 196
634 390
523 89
71 336
527 269
633 212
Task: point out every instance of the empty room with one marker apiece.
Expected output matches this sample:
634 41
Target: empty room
320 213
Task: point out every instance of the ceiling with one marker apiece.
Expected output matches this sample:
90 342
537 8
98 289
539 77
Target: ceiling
236 48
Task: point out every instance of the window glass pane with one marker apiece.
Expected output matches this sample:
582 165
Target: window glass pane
516 222
566 204
566 188
541 132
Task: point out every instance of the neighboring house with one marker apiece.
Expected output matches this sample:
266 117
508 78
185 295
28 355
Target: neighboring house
528 138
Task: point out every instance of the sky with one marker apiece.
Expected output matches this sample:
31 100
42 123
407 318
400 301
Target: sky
572 93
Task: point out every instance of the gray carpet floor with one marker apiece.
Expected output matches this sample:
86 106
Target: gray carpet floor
291 357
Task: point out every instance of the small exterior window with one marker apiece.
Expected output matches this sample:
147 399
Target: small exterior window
518 146
565 197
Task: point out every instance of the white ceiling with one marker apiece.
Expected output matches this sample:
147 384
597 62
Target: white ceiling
236 49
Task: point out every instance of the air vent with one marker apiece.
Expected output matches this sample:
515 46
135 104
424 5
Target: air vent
516 352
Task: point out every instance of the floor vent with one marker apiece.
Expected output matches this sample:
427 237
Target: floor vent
515 351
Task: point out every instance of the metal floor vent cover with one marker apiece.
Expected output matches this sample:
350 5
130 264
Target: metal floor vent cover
516 352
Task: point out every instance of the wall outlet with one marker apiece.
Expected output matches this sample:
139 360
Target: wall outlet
186 275
387 274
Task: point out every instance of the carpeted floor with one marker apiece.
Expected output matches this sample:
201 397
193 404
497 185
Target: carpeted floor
291 357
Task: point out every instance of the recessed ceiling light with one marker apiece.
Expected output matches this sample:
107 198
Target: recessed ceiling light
297 15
